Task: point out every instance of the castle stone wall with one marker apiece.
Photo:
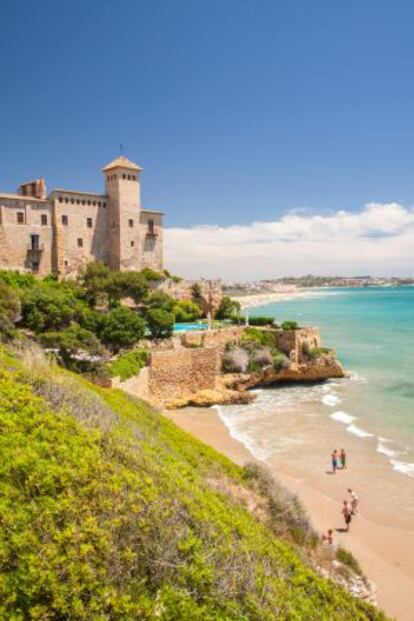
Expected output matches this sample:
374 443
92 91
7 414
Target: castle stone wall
109 227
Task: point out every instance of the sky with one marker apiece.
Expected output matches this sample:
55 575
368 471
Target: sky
261 126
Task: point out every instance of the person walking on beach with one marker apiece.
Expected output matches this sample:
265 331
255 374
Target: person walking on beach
334 461
354 501
342 457
328 537
347 513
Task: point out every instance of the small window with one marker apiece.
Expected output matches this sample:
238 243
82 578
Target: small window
123 176
72 200
83 202
130 223
20 217
66 263
151 227
89 202
66 200
89 223
65 220
80 242
132 244
99 203
43 219
60 199
78 201
103 204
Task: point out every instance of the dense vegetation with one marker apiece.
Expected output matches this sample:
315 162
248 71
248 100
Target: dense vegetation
256 351
101 314
109 512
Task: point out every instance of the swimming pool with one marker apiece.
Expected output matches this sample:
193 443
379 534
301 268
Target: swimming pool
185 327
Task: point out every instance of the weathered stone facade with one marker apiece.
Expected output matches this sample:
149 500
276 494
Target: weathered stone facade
66 230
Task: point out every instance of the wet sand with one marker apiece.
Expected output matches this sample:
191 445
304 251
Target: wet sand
385 551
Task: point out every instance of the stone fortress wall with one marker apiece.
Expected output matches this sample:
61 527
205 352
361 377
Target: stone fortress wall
67 229
191 362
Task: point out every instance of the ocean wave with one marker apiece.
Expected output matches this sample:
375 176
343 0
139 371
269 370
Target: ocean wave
384 449
403 467
357 431
258 452
331 399
343 417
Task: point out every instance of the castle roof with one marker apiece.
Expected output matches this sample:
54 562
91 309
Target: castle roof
121 162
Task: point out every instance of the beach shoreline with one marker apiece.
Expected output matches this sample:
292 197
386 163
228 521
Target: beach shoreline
386 553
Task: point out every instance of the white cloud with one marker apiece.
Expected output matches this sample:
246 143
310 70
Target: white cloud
377 240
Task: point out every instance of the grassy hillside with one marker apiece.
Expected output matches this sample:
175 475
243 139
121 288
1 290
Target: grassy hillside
110 512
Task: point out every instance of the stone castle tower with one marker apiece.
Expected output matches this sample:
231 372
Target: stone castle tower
63 231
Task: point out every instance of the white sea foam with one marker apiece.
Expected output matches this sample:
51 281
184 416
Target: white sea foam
343 417
403 467
258 452
384 449
331 399
357 431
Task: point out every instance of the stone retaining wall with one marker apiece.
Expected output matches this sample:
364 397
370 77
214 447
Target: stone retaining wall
180 373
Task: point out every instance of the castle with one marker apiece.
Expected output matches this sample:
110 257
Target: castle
61 232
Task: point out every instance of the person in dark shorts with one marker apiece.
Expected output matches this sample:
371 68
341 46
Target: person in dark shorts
334 461
342 457
347 513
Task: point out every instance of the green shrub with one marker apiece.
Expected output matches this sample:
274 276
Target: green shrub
348 559
108 512
159 299
128 364
9 310
316 352
228 308
289 324
186 310
17 280
121 327
261 321
49 307
258 337
121 285
160 322
280 361
151 275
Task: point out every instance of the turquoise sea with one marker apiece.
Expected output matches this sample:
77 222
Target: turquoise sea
371 413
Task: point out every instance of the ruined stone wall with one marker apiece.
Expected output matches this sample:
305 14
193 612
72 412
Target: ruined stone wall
180 373
212 338
137 386
293 342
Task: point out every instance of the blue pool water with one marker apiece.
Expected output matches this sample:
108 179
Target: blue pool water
184 327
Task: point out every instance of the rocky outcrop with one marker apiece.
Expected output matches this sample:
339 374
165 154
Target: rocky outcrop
322 368
233 388
207 398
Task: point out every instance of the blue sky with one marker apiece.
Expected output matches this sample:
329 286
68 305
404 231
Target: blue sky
236 110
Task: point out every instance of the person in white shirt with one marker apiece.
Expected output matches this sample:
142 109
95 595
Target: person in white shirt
354 501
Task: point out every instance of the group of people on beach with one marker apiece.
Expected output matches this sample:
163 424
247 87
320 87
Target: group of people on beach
350 505
349 509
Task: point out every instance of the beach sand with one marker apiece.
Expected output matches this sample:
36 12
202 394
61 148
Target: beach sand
385 552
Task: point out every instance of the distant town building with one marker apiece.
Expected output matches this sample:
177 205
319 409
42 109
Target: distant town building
61 232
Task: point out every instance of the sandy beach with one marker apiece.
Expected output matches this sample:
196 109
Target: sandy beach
260 299
385 551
